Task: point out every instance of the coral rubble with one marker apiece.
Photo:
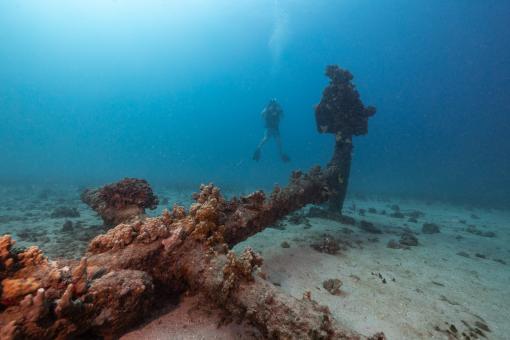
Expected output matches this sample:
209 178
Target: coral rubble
430 228
333 286
369 227
60 212
327 244
472 229
408 239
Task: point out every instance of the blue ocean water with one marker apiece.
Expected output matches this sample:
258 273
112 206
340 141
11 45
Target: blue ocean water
171 91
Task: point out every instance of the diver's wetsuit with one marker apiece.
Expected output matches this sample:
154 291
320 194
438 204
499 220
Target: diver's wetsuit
272 115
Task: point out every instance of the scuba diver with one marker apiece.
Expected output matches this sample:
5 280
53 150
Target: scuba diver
272 114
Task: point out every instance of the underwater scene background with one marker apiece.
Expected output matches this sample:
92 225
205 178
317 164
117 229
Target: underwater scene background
171 92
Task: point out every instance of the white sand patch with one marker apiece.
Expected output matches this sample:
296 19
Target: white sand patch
432 286
191 320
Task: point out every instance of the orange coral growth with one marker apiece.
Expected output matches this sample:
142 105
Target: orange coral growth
14 289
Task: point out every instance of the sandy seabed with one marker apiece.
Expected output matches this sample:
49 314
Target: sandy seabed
452 283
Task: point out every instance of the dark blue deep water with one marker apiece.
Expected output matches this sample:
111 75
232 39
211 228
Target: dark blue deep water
92 91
